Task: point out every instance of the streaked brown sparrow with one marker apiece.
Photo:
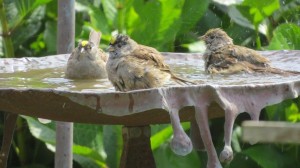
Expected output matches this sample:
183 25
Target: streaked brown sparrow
133 66
222 56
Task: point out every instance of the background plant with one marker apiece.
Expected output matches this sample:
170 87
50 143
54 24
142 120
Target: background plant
28 28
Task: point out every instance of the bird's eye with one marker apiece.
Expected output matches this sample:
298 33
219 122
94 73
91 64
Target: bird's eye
212 37
119 45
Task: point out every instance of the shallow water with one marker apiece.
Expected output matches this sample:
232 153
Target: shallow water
193 70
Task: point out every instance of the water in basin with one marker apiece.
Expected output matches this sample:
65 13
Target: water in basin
191 69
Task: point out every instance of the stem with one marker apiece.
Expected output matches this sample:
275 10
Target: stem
258 42
8 45
21 138
120 22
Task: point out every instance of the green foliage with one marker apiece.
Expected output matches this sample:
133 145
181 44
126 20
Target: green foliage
87 135
257 11
165 157
164 134
113 144
269 156
168 19
286 36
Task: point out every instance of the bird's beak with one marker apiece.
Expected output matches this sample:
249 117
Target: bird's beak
110 48
201 38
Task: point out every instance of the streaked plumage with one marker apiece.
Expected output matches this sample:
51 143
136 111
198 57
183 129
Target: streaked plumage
222 56
133 66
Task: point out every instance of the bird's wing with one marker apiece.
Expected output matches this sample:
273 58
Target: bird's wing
136 73
103 56
154 58
248 55
151 55
220 59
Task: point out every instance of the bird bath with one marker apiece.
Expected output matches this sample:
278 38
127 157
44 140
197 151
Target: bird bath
37 87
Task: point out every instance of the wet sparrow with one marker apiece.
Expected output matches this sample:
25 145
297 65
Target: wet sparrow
133 66
222 56
87 61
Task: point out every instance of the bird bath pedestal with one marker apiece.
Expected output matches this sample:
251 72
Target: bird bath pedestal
60 99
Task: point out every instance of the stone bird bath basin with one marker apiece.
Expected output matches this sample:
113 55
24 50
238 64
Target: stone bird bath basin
36 87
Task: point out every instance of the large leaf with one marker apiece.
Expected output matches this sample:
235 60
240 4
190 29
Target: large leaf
158 22
286 36
99 21
149 14
192 11
164 135
241 160
170 21
238 18
277 111
268 157
83 134
257 10
28 28
110 9
116 12
165 157
112 139
50 35
19 10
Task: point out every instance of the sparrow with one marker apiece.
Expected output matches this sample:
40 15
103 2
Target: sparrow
223 57
132 66
87 61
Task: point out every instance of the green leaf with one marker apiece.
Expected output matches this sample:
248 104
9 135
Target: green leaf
147 31
257 10
86 162
192 11
268 157
292 112
170 20
164 135
164 158
285 36
241 160
110 10
112 139
25 8
50 35
29 27
238 18
277 111
160 29
40 131
99 21
83 134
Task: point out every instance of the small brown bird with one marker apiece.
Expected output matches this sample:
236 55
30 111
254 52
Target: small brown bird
87 61
222 56
133 66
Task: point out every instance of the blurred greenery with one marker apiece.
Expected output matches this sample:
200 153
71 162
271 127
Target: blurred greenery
28 28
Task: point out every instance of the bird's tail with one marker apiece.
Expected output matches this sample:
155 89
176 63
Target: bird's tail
181 80
281 71
95 37
178 79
